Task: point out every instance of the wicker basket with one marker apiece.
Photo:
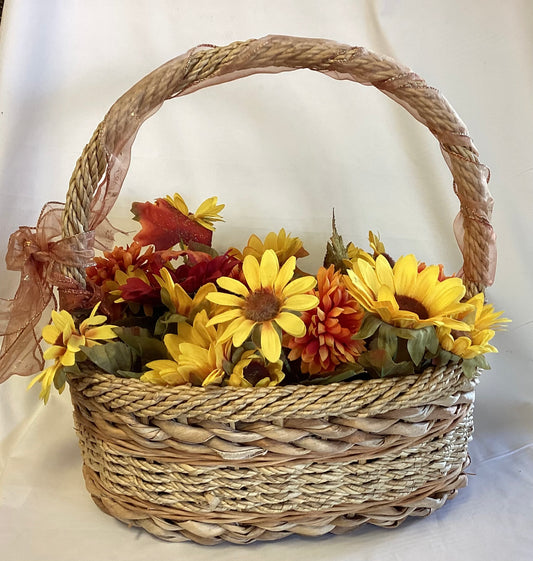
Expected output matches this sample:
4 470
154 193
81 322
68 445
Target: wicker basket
245 464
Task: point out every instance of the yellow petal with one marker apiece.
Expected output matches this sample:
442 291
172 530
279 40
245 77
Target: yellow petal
405 274
270 342
233 285
92 321
74 342
291 324
425 282
300 302
269 268
172 343
443 295
64 322
243 331
215 378
255 243
250 269
225 316
385 294
225 299
230 330
53 352
368 274
103 332
384 272
163 364
285 275
68 358
299 286
46 377
209 206
451 323
178 203
51 334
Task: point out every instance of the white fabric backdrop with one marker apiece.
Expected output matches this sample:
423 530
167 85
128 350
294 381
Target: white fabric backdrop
279 151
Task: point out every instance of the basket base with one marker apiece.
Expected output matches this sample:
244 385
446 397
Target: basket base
168 524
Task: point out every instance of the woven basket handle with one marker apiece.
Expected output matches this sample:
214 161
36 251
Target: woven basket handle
202 67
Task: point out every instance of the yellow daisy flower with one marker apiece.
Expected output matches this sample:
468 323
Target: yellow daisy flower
205 215
268 302
66 340
197 352
483 322
404 297
282 243
183 304
253 371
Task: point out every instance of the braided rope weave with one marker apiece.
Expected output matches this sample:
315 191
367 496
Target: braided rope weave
246 464
204 67
225 464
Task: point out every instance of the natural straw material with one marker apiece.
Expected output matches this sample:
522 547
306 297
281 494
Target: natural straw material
106 157
245 464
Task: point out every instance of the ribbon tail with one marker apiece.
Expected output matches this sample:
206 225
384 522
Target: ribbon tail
21 353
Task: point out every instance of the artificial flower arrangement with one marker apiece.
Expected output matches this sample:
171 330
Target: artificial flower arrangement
173 311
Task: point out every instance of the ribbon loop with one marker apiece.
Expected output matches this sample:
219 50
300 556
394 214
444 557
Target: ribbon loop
39 254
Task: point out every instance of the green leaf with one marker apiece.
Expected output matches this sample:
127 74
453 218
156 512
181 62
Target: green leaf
336 251
60 378
147 347
128 374
416 347
443 357
111 357
471 365
166 300
379 362
165 321
469 368
74 369
368 327
387 339
196 246
481 362
337 376
227 366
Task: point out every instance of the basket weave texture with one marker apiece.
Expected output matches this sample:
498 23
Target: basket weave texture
245 464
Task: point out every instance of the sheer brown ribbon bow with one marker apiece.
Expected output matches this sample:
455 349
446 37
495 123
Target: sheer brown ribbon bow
39 254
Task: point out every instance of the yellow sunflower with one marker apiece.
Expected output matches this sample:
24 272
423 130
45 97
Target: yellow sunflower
66 340
483 322
205 215
269 302
283 244
404 297
197 352
253 371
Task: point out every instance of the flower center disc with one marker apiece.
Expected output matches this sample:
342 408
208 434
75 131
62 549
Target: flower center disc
411 305
262 306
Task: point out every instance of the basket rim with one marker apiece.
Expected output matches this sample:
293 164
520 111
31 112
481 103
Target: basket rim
436 385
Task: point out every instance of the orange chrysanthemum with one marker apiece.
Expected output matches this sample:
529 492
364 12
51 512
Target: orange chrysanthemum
330 326
120 259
